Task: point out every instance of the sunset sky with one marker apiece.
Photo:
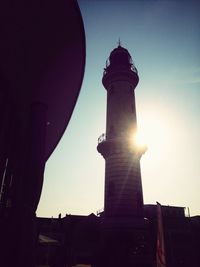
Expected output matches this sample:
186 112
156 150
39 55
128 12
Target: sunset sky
163 38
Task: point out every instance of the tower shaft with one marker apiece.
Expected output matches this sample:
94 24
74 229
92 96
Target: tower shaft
121 114
123 187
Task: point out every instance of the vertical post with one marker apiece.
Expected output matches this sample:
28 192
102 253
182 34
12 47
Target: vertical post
27 158
160 253
32 182
5 119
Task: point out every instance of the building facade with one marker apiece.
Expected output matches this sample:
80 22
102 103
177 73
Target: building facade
74 240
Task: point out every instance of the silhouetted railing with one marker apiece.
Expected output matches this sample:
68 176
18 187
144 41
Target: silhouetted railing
112 137
130 65
133 68
102 138
108 69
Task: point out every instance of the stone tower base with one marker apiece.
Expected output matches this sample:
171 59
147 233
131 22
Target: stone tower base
125 243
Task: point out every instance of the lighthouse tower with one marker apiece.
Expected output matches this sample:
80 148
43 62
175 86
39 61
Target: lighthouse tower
123 187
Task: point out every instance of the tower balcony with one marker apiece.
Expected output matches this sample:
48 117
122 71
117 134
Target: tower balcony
109 144
129 66
112 138
120 73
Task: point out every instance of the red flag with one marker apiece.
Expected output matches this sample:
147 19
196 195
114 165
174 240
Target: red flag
160 252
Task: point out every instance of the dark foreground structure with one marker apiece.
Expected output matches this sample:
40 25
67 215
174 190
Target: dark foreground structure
125 233
42 61
74 240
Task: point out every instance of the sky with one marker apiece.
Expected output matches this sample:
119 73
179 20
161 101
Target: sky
163 38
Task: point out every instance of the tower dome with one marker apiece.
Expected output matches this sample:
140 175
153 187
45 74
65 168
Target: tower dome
120 57
120 64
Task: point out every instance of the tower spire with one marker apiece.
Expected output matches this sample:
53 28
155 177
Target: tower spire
119 42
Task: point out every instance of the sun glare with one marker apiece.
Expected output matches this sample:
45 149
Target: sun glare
153 133
139 139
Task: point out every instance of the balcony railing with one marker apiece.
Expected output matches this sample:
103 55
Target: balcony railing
102 138
131 66
108 69
112 137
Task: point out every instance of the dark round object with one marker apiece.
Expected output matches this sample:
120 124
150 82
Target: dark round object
42 56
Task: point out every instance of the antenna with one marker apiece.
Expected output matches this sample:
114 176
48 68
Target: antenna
119 42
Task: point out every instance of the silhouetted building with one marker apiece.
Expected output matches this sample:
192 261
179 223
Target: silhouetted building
181 234
68 241
42 44
75 239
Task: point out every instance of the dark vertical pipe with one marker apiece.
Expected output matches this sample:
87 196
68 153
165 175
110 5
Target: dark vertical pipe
27 158
32 181
4 132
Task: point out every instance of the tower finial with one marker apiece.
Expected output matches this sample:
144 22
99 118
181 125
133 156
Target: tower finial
119 42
